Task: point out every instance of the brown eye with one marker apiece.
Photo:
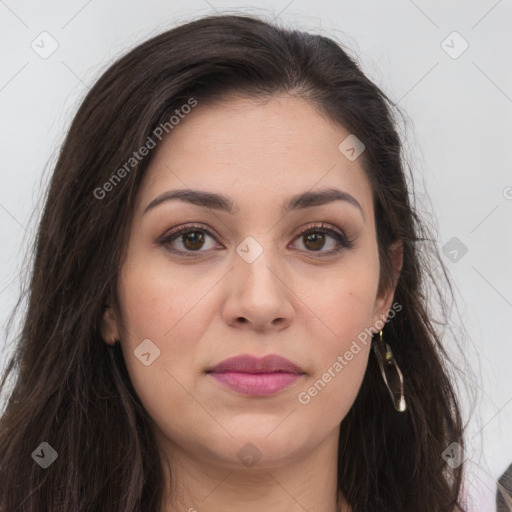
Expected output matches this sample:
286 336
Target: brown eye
187 240
314 241
192 240
316 238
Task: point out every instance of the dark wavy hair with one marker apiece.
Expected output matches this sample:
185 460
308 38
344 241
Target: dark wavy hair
72 390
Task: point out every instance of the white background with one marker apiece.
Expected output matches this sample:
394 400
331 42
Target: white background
458 130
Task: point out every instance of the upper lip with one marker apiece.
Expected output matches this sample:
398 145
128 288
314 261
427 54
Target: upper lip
250 364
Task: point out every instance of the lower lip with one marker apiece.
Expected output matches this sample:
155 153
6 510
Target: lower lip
256 384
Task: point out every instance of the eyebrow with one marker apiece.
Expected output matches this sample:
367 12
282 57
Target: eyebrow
223 203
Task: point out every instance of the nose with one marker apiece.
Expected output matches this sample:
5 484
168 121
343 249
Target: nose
259 298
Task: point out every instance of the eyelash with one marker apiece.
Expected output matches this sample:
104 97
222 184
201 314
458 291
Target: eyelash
340 238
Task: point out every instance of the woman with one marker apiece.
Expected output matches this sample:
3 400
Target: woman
226 236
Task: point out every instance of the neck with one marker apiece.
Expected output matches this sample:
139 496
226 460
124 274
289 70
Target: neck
307 481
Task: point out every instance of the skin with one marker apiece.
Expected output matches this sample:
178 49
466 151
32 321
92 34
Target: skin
290 301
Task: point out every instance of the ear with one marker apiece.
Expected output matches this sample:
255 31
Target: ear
384 298
109 326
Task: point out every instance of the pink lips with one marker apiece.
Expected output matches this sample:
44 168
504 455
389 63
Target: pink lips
256 376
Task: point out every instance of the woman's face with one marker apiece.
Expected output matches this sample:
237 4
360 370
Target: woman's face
250 282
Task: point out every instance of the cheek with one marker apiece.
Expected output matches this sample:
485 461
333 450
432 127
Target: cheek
174 309
346 303
348 337
345 308
341 357
157 305
154 301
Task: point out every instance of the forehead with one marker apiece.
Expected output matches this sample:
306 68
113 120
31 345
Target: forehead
255 151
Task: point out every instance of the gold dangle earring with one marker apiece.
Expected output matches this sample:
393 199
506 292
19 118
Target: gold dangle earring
391 373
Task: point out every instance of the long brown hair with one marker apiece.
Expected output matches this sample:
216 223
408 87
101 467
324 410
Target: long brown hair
72 390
